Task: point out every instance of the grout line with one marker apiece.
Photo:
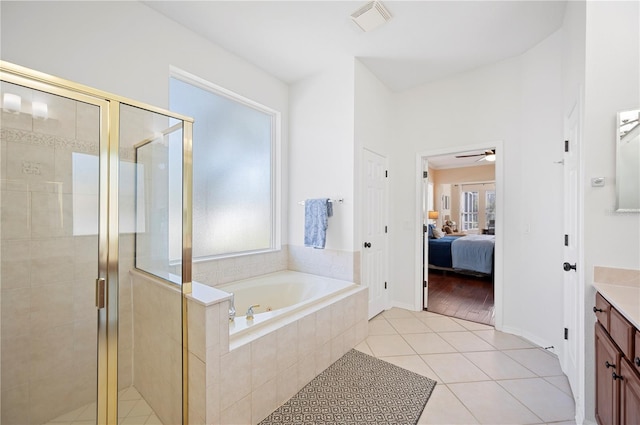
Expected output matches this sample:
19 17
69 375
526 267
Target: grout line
457 351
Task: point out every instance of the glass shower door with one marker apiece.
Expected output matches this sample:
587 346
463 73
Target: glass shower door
74 201
51 252
150 233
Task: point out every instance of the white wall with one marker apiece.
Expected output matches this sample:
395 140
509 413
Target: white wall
321 156
539 277
517 101
372 127
429 117
611 85
126 48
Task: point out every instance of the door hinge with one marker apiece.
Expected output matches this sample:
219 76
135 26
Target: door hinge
424 283
385 285
566 240
566 146
566 333
386 173
425 174
385 229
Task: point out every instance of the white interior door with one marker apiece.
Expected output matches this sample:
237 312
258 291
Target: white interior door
427 205
374 230
573 293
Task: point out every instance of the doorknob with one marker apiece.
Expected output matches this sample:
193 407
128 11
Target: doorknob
367 244
566 266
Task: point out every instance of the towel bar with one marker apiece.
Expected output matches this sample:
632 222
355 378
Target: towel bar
333 201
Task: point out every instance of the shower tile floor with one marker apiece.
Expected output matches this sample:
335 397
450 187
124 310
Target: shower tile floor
132 410
484 376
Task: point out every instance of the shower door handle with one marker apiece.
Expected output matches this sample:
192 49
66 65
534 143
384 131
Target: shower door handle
101 289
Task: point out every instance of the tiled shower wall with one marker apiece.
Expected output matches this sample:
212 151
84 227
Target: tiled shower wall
157 318
47 279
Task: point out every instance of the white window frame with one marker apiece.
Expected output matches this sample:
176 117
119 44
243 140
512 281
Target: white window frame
487 214
276 149
466 216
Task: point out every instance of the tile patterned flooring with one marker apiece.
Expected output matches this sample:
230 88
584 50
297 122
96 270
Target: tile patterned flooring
484 376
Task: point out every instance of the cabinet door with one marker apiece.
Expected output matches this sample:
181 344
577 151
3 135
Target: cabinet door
601 310
636 355
629 395
607 388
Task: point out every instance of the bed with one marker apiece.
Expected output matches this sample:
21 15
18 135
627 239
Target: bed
440 251
471 253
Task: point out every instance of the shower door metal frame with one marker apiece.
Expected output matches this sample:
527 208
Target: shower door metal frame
108 230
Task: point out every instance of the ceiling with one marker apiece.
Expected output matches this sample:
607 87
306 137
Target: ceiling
450 161
423 41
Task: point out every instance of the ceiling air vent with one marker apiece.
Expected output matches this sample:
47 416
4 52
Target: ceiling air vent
370 16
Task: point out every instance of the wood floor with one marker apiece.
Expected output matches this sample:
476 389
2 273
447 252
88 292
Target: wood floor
462 296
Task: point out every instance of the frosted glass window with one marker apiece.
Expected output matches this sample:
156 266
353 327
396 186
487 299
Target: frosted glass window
233 176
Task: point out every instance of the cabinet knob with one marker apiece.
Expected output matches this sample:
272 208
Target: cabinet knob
597 310
616 376
637 361
608 365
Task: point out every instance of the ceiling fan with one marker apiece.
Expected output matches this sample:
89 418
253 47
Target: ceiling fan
488 155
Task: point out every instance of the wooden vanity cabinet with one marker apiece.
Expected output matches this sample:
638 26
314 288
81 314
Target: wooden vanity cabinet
636 355
607 389
629 395
617 368
601 310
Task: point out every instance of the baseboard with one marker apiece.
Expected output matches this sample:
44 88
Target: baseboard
405 306
532 338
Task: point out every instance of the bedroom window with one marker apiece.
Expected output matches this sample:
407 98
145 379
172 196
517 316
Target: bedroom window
490 207
469 211
235 156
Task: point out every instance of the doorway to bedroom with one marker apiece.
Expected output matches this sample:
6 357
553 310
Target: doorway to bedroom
459 224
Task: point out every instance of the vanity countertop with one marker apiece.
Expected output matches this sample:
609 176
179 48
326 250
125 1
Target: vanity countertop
622 289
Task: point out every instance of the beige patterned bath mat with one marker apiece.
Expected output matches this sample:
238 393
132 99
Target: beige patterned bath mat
357 389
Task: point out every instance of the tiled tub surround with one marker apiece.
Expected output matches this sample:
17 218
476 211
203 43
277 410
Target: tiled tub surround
224 270
243 378
343 265
621 287
276 294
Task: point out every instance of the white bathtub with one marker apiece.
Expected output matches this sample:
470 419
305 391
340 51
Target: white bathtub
279 294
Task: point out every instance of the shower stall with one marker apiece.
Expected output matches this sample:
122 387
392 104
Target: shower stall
94 189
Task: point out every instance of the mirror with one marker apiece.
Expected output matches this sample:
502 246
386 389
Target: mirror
628 161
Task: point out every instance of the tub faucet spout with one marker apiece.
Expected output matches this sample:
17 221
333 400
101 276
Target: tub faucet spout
249 314
232 308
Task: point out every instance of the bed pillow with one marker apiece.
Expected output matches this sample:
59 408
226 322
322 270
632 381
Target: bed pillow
437 233
430 231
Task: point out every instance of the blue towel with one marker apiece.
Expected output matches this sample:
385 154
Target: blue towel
316 220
